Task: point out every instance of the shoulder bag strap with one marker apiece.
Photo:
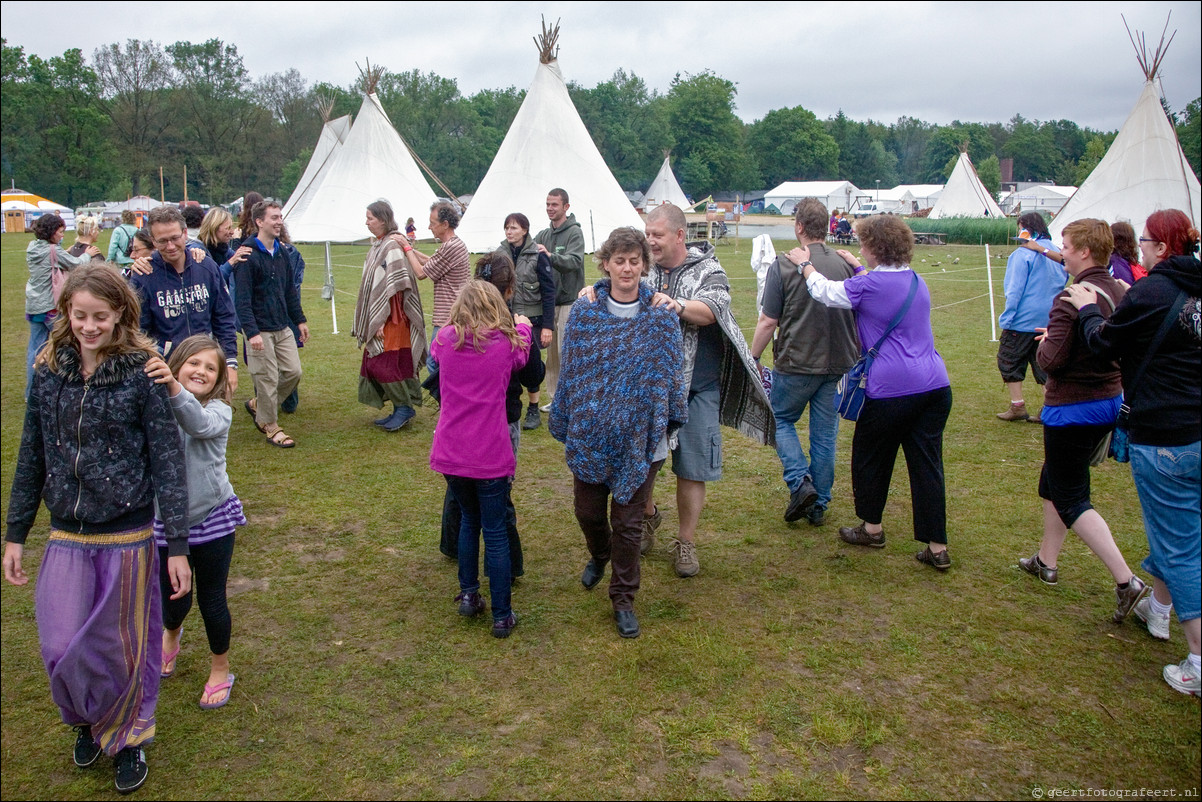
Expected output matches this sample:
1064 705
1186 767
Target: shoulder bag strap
1154 346
900 314
1100 292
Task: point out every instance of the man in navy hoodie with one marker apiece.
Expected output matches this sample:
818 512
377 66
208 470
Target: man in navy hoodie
182 295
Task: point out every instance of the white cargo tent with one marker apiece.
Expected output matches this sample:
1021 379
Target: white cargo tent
1037 198
965 195
924 195
333 134
898 200
833 194
1144 171
373 162
665 189
547 146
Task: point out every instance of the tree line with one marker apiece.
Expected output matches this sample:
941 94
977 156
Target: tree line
80 131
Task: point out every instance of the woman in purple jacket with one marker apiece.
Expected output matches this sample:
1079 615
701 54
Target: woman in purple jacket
909 396
478 349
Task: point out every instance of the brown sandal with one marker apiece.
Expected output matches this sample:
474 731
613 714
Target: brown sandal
279 439
251 409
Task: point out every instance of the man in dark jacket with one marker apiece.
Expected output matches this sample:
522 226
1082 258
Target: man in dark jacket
183 295
268 301
815 346
563 243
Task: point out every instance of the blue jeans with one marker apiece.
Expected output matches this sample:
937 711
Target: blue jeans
482 502
431 363
39 333
1169 481
790 395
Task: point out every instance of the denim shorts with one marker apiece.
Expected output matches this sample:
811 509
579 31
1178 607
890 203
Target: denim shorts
698 454
1169 481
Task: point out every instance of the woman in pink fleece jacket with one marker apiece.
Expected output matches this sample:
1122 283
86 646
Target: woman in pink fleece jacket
476 352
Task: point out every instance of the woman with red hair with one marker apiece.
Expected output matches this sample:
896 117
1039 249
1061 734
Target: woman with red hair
1156 332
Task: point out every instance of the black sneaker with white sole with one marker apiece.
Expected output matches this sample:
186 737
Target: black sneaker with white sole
86 748
131 769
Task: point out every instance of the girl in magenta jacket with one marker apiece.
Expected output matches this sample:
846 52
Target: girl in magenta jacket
476 351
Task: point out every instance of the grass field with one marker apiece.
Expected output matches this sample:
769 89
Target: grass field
792 666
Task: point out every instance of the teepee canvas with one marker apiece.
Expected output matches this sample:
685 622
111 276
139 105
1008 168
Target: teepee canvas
547 146
333 134
664 189
372 163
1144 170
964 195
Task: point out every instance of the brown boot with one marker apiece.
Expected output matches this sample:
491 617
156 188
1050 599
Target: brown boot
1016 412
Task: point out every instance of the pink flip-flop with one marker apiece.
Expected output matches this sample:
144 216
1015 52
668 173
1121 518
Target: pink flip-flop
226 686
169 660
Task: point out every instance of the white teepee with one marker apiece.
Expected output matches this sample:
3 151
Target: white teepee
664 189
1144 170
965 195
372 163
547 146
333 134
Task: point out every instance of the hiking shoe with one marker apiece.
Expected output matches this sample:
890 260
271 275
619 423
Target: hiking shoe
533 419
1182 677
131 769
686 562
1015 412
86 748
1127 597
800 500
503 626
1158 625
859 536
470 604
1035 567
650 524
816 515
942 560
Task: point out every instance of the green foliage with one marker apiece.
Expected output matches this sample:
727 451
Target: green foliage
966 230
628 124
1095 150
990 173
1189 133
710 143
791 145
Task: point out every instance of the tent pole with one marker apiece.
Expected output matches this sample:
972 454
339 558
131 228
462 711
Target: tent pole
592 229
989 278
330 284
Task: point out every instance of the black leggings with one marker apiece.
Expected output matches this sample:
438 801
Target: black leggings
210 570
1064 480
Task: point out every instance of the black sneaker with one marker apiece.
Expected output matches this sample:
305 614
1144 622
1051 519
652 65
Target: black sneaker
502 627
816 515
801 500
86 748
470 604
533 418
131 769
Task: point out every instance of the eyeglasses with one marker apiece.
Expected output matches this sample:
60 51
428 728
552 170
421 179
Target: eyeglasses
1148 239
168 240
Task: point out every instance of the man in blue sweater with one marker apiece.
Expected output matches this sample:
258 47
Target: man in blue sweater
183 295
1032 283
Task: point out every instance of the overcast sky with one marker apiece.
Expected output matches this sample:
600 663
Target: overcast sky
981 62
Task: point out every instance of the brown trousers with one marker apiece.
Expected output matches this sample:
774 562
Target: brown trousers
615 538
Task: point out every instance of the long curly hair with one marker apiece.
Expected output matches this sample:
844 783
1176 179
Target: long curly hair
479 311
104 282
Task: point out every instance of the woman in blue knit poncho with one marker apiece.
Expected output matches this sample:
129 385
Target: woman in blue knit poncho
620 399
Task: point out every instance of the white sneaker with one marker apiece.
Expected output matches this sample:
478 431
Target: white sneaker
1183 678
1158 625
545 407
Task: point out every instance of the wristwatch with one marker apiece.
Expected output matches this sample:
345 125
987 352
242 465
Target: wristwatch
681 302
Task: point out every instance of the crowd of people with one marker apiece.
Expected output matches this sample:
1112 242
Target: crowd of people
133 363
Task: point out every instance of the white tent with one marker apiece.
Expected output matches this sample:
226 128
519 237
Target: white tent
665 189
372 163
965 195
333 134
1144 171
547 146
1037 198
925 195
833 194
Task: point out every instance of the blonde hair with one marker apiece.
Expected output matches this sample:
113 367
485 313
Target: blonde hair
104 282
479 311
87 226
198 344
214 220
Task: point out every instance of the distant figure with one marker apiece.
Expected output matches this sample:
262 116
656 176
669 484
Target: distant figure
1124 262
87 231
410 231
193 217
843 229
563 243
120 243
1033 280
